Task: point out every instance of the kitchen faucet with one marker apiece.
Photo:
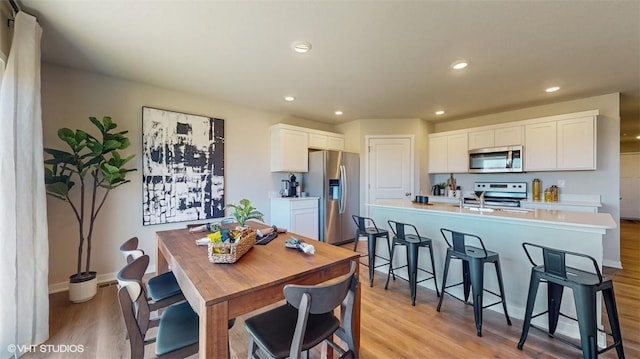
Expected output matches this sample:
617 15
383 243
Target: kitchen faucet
479 198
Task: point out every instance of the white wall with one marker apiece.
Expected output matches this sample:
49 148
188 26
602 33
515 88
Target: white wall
69 97
604 181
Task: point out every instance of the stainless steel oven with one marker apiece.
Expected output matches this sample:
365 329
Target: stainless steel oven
496 160
499 194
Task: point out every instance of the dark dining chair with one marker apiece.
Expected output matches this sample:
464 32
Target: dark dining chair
584 284
306 320
178 325
366 227
163 289
473 260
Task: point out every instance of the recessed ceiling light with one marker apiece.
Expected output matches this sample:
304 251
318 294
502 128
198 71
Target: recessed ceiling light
637 137
459 65
338 113
552 89
289 98
301 46
440 112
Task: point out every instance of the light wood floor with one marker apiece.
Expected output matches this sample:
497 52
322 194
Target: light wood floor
391 327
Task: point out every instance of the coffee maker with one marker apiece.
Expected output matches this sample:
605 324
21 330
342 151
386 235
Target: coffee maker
290 187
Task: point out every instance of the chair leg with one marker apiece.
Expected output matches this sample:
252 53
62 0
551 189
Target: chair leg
531 299
444 278
433 270
614 322
355 246
477 285
554 300
390 272
412 266
371 242
585 302
466 280
502 294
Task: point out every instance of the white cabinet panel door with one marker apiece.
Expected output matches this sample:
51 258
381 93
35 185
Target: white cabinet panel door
457 153
481 139
508 136
438 154
540 146
576 144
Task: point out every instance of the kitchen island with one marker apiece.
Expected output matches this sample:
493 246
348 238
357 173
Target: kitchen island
503 231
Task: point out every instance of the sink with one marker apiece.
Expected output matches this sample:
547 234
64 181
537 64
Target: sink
478 209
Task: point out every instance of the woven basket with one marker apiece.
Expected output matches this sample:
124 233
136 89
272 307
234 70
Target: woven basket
231 252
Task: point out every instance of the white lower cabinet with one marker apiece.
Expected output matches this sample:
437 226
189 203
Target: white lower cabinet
297 215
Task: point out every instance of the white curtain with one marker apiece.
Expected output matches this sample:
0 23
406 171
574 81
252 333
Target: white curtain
24 246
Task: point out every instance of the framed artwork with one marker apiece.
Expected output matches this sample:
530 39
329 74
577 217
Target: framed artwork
182 167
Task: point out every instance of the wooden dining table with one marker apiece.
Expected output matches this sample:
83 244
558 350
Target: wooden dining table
219 292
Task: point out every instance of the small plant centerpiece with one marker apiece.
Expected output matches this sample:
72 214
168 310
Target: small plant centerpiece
96 165
244 211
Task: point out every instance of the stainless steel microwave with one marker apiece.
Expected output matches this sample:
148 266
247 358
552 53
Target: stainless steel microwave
496 160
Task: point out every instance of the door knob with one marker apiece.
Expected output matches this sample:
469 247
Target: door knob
407 194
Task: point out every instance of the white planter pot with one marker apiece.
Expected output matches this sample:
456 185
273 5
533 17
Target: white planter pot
83 290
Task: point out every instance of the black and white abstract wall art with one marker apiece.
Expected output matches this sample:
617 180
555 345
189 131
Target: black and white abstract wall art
183 167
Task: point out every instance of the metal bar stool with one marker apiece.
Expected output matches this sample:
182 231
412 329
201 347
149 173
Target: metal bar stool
413 242
473 261
372 234
584 285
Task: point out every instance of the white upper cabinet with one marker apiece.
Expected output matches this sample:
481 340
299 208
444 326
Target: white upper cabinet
481 139
448 153
509 136
290 146
577 143
438 154
540 146
565 144
321 140
335 142
289 150
496 137
317 140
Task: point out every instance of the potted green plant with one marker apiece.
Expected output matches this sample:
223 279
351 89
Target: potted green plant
442 187
97 166
244 211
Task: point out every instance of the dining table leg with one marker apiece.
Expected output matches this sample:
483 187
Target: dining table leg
214 333
162 265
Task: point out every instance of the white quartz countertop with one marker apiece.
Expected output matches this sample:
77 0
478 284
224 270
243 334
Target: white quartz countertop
540 216
295 198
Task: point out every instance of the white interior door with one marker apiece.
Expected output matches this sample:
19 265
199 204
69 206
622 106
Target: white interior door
630 185
390 172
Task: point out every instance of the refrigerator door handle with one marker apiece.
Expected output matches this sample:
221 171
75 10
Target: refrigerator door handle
343 188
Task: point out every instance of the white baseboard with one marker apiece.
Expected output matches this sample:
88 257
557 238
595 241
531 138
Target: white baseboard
102 278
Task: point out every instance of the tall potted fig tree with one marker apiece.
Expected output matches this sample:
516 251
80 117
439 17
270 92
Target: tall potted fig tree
96 166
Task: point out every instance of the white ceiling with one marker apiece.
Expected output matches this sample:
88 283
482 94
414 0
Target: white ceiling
384 59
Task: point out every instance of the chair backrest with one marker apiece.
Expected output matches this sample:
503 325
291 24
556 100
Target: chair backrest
555 260
400 229
129 249
363 222
459 240
320 299
133 302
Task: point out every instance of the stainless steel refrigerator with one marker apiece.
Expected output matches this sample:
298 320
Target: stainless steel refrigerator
334 176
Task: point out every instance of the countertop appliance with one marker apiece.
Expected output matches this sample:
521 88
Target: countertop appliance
290 187
496 159
334 176
499 194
